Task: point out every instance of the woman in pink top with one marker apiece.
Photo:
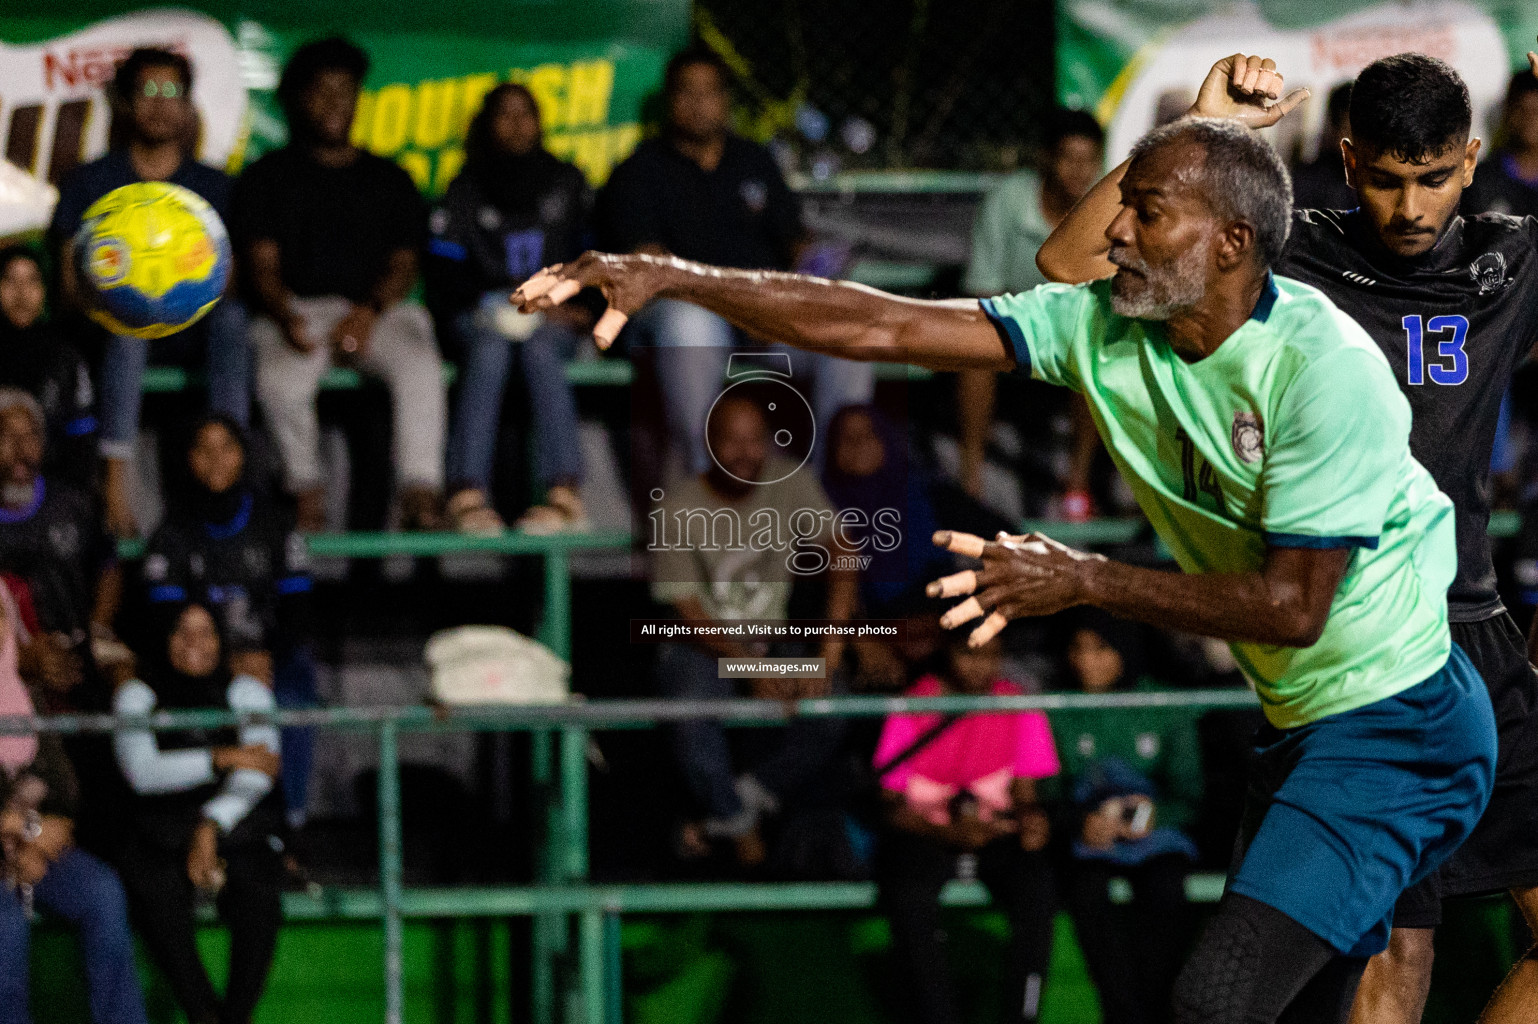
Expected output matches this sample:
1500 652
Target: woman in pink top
969 790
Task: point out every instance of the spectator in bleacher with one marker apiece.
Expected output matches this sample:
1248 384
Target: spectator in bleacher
204 817
229 548
42 867
966 788
513 209
1014 220
701 192
330 237
155 131
1321 184
54 549
1506 181
1132 780
38 358
721 578
868 471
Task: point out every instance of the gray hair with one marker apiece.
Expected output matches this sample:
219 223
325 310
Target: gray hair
14 398
1241 179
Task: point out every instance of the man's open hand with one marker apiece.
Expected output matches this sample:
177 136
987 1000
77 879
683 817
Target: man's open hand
1247 90
350 337
627 283
1021 576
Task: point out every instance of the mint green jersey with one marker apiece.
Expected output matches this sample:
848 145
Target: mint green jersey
1292 434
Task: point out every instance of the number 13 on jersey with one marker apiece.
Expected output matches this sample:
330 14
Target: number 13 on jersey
1451 332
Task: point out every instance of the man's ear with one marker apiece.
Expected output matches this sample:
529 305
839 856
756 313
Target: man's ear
1470 159
1236 243
1348 156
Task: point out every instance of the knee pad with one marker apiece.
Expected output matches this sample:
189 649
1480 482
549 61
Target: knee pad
1218 982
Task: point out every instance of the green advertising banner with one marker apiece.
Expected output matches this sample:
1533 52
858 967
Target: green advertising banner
592 64
422 91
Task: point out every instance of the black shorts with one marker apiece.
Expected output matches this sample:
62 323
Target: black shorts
1502 852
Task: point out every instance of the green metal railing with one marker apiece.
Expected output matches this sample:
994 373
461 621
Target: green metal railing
576 925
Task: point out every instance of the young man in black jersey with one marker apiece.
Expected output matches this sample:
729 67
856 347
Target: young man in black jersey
1453 303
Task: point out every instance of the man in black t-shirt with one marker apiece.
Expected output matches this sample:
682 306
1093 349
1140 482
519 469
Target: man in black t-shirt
702 193
331 238
1507 180
152 95
1453 304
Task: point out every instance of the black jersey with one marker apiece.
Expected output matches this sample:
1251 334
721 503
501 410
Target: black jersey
252 572
57 547
1453 324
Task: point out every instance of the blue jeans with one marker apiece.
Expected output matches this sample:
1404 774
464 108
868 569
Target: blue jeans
692 349
701 749
226 360
488 359
86 893
293 686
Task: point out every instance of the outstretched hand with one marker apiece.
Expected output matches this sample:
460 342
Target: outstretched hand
1021 576
627 283
1247 89
1532 62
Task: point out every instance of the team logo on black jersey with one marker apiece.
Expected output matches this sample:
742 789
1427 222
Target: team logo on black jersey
552 208
755 195
65 538
1490 272
1248 439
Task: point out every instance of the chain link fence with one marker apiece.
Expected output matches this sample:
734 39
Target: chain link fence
850 84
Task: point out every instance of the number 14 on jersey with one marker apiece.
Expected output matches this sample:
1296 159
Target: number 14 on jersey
1450 332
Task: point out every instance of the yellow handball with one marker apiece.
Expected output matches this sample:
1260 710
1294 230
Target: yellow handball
152 257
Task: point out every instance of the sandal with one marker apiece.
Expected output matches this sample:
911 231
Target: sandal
562 512
471 514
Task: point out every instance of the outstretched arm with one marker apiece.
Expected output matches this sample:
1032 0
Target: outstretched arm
1241 88
1285 603
836 317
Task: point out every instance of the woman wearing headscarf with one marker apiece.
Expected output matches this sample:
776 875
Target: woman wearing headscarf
204 817
36 357
966 786
229 547
513 209
868 471
1131 781
41 867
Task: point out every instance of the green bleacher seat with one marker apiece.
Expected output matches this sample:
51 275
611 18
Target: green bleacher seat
650 898
161 380
431 545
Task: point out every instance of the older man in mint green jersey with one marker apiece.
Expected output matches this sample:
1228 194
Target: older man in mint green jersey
1267 441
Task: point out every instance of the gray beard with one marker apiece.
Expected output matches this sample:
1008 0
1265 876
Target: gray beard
1167 290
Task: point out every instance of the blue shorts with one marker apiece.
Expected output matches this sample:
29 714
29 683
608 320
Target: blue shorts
1345 813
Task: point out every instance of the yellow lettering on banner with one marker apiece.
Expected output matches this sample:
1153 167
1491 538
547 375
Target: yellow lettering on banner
561 145
432 118
471 94
595 152
548 84
418 166
392 107
449 163
363 119
623 139
591 154
587 92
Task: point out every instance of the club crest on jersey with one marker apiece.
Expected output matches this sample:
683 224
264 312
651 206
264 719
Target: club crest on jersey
1489 271
1247 437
